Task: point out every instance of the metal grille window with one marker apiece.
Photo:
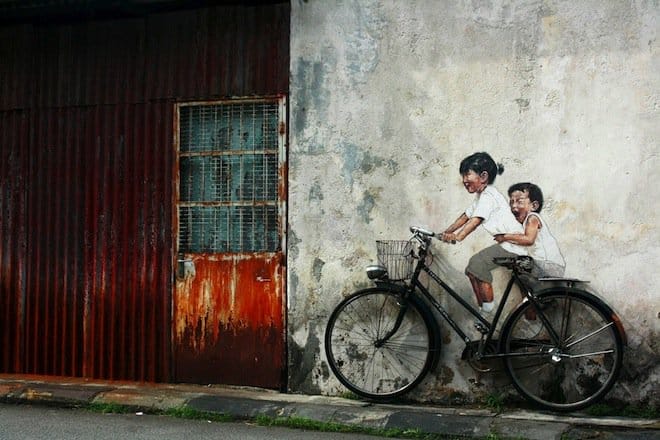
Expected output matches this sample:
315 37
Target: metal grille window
228 177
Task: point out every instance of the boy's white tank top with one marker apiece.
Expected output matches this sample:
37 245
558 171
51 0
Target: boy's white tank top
545 247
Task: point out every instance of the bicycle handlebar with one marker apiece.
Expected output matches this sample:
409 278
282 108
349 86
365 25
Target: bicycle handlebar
426 233
417 230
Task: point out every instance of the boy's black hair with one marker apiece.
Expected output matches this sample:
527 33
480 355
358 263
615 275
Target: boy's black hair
533 192
480 162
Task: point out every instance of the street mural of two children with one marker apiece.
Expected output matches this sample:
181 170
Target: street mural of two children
516 226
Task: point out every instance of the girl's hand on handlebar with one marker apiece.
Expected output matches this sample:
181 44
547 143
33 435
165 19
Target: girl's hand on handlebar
447 237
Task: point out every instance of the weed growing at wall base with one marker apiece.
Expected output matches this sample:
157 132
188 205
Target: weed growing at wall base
495 402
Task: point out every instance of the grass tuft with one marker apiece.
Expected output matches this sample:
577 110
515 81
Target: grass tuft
182 412
495 402
185 412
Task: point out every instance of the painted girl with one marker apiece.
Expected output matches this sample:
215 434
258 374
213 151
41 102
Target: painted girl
490 210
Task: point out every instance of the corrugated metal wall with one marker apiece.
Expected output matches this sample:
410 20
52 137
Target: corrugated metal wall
13 167
86 159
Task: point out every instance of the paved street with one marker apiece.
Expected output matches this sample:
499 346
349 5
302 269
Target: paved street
28 422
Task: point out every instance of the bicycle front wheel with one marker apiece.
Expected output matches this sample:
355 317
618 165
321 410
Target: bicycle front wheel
361 354
570 359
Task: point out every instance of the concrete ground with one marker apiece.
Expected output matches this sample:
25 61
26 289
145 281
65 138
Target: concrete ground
248 403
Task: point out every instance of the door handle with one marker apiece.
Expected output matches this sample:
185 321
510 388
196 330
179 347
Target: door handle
262 279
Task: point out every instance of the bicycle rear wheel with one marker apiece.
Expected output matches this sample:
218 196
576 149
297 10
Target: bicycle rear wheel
367 364
572 368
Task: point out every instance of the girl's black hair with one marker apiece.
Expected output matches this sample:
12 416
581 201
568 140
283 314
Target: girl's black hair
480 162
533 192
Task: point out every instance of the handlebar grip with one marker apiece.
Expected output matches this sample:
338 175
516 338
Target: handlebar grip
417 229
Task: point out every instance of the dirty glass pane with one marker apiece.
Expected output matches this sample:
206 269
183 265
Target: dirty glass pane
228 229
228 178
229 127
245 177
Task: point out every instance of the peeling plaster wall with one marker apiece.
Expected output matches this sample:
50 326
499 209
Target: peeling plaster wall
388 96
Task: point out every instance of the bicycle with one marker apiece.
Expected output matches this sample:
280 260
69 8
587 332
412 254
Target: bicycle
561 346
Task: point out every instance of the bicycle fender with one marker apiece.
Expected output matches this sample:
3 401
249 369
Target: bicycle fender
602 305
401 288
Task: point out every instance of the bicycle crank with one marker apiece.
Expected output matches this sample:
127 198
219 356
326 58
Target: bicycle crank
476 360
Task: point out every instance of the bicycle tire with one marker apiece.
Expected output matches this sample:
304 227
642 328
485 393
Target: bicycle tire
580 367
387 371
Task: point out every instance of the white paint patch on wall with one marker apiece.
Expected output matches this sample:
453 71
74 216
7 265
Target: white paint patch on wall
387 97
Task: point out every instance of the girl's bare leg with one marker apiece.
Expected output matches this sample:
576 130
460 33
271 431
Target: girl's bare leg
476 288
486 291
483 290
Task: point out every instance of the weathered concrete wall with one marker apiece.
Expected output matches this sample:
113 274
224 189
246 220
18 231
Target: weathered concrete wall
388 96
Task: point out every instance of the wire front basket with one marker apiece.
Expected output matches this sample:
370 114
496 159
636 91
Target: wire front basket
397 257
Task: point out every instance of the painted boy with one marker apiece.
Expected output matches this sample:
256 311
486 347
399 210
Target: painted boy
526 201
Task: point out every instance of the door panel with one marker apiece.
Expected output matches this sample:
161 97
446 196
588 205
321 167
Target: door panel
229 326
229 291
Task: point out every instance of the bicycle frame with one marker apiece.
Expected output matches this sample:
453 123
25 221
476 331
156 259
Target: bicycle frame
490 327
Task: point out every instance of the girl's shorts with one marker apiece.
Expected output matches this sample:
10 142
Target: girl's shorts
481 263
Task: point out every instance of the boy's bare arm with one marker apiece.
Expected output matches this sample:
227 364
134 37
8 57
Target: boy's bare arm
525 239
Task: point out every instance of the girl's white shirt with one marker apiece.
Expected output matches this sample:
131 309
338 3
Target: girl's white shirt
493 208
